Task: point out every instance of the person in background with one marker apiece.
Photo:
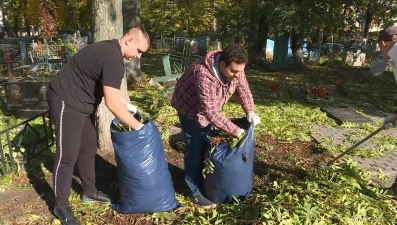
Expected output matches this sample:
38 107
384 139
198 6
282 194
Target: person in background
199 96
387 43
73 96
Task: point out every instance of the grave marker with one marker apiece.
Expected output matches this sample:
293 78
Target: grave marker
349 58
63 54
26 95
341 115
12 44
378 64
8 60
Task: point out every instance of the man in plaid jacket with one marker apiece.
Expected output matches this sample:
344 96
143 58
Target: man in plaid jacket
199 97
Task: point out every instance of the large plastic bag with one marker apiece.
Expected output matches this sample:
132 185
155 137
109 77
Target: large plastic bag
145 182
232 175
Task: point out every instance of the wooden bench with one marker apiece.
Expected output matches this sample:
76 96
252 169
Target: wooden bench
174 64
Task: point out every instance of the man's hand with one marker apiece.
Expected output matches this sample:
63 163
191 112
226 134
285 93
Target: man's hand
116 105
390 121
253 118
241 132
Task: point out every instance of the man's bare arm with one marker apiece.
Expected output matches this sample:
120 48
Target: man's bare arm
118 107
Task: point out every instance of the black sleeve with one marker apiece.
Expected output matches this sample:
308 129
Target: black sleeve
112 72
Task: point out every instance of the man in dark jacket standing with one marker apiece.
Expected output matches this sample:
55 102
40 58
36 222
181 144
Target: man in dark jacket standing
199 97
74 94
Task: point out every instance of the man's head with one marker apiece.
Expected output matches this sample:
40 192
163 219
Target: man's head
134 42
232 61
386 40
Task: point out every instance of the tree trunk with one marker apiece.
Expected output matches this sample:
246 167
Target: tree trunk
27 27
259 47
132 18
367 24
16 26
296 48
107 24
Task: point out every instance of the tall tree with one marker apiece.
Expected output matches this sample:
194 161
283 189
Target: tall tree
132 18
48 16
107 23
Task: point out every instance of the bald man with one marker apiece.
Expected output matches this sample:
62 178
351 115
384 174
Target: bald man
73 96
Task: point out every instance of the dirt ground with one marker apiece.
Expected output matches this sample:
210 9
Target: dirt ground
31 194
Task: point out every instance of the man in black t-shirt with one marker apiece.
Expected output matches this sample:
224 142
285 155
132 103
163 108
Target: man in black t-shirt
73 96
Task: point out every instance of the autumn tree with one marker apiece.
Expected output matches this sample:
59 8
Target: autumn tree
48 22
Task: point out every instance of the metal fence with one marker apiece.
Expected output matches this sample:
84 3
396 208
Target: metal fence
168 44
32 137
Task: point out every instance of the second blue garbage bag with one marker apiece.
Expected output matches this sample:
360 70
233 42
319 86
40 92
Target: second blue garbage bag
232 175
145 182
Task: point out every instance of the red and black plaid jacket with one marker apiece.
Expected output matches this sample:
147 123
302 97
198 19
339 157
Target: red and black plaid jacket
200 95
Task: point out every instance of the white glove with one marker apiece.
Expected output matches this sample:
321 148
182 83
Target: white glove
241 132
390 121
253 118
132 108
140 126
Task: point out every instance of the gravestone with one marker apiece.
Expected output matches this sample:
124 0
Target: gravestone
373 112
12 45
82 42
314 54
90 37
378 64
202 45
22 47
280 52
349 58
63 54
28 96
341 115
360 60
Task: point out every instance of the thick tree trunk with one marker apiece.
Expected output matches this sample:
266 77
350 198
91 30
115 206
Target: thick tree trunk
259 47
132 18
296 48
107 25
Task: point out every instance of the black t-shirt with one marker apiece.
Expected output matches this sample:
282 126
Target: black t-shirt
80 81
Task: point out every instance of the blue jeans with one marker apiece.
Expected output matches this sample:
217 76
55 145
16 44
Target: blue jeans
194 153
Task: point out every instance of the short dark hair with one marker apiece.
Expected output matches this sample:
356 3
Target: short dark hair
144 32
234 53
388 35
142 29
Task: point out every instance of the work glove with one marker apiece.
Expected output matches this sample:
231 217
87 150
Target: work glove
132 108
253 118
140 126
241 132
390 121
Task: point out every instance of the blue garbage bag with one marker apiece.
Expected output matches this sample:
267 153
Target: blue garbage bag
145 182
233 168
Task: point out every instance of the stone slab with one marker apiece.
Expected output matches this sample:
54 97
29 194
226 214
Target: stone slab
374 113
339 137
341 115
387 163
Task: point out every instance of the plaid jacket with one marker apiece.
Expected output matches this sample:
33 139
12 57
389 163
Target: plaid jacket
200 95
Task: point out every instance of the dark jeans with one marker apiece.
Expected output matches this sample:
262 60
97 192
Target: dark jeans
76 142
194 154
